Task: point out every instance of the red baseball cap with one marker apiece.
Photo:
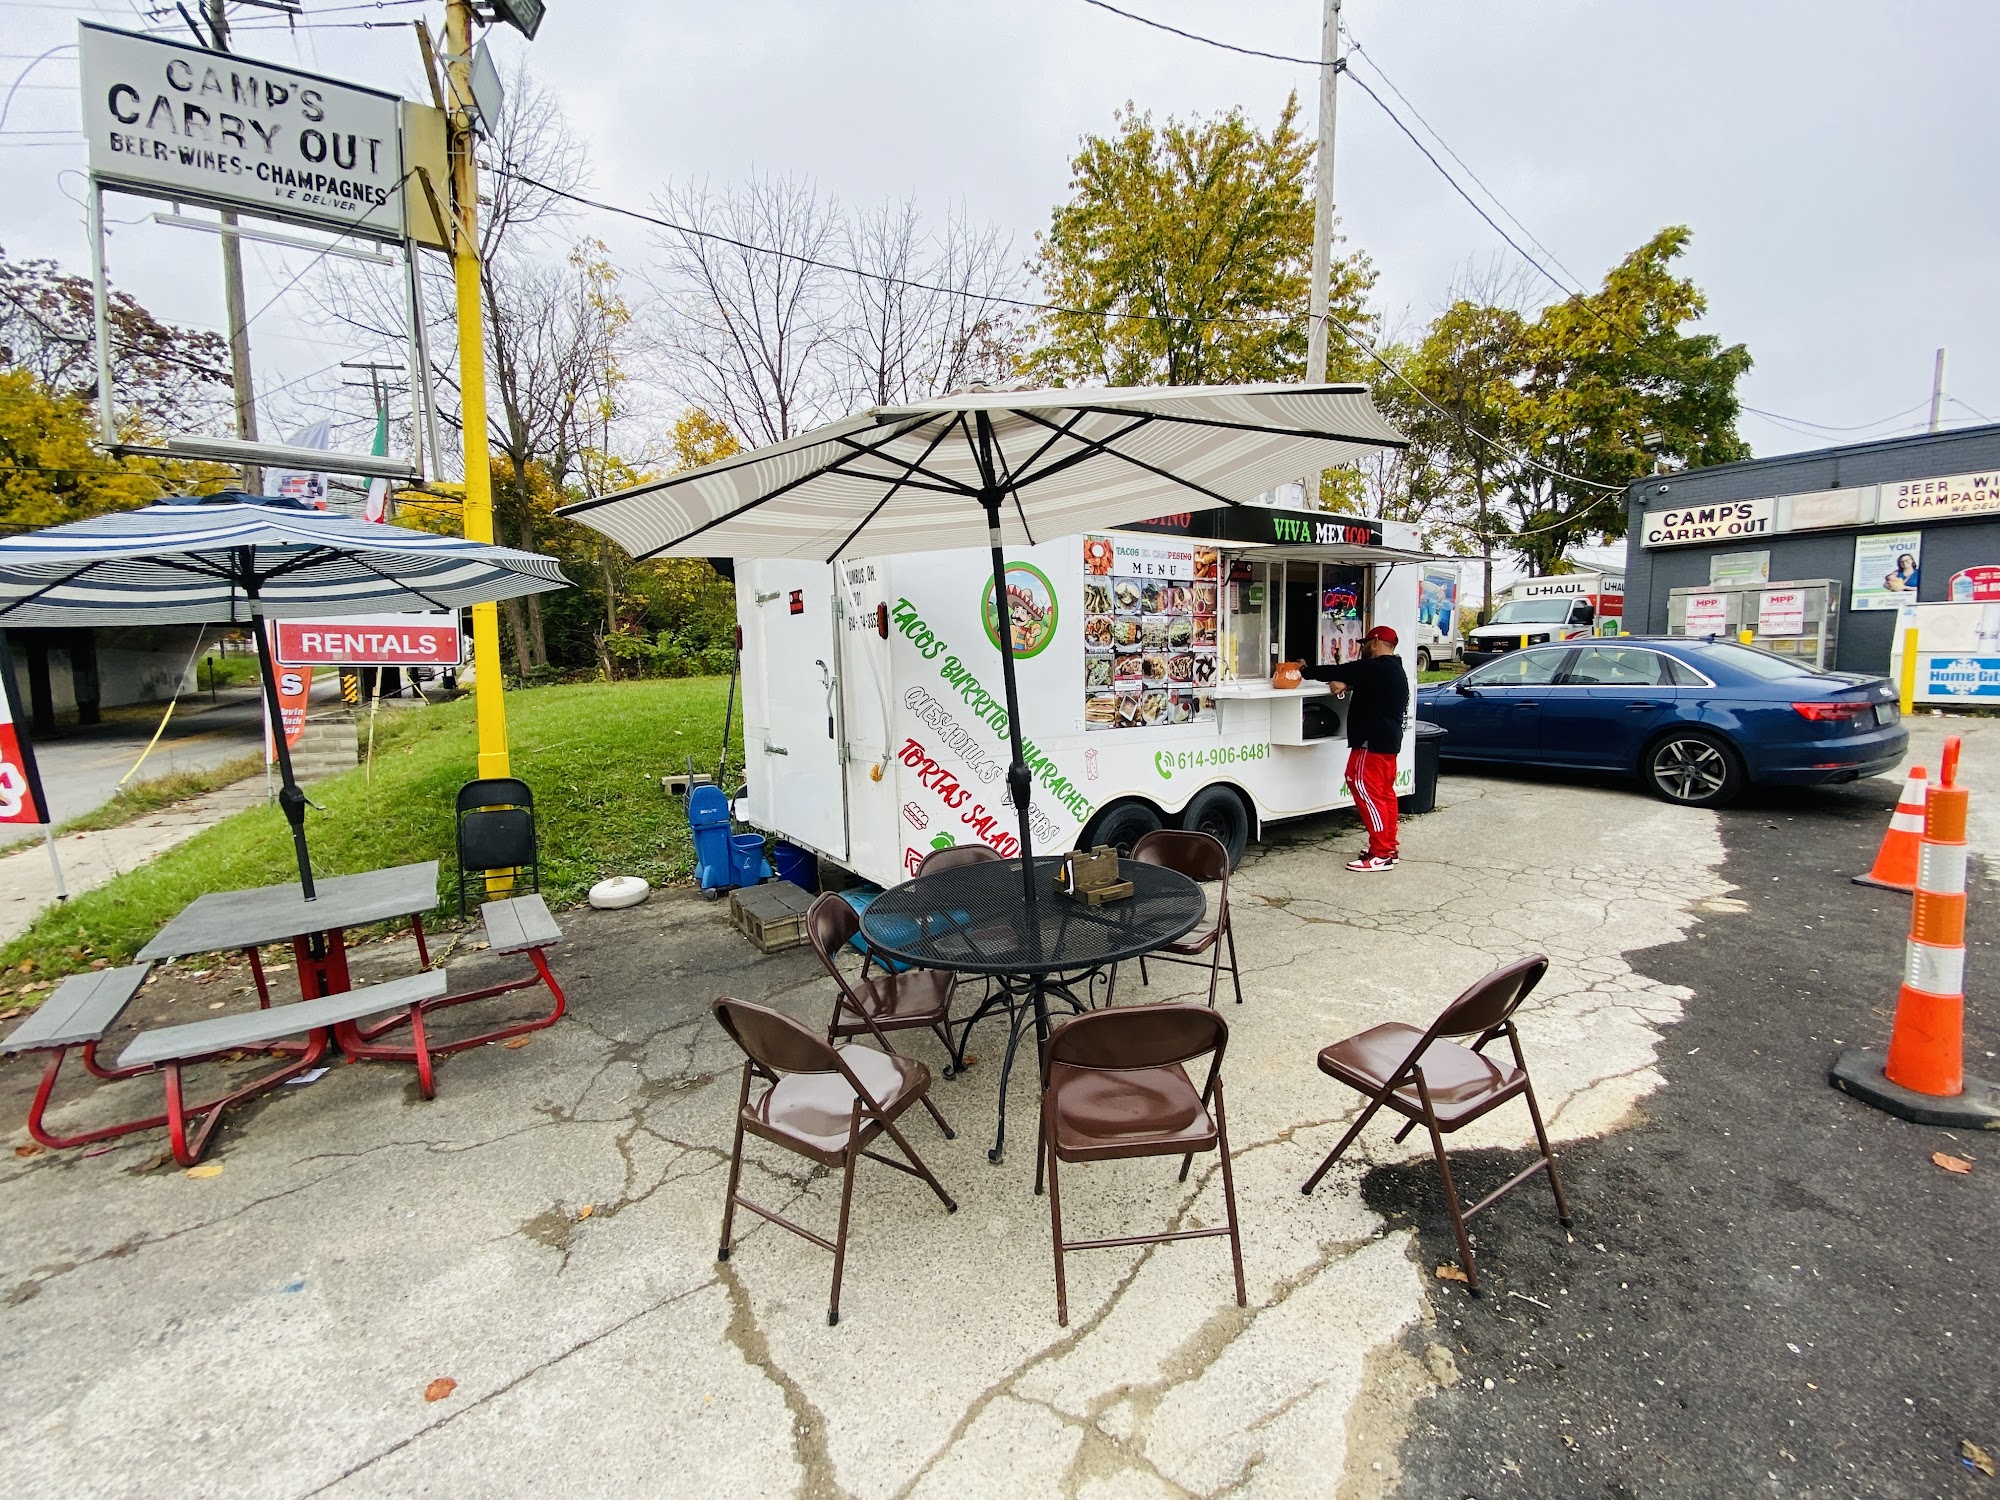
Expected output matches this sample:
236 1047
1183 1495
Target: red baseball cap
1382 633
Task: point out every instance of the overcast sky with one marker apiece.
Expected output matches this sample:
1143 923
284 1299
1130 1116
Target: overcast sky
1833 159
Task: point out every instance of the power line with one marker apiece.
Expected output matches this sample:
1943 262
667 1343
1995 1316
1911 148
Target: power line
1027 305
1207 41
1829 427
1355 43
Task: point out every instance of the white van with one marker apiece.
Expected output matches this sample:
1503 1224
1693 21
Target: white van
1561 607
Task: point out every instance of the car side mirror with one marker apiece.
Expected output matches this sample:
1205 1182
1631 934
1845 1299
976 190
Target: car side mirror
1465 690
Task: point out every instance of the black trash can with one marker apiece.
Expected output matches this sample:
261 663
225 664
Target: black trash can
1429 740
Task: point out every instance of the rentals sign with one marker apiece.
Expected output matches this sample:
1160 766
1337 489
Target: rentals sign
186 123
387 640
1685 525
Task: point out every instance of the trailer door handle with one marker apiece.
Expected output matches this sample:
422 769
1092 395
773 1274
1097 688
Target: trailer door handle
771 749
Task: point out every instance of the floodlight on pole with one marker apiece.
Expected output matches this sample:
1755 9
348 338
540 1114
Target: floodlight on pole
525 16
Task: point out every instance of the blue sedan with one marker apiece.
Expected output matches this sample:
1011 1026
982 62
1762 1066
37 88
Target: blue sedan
1696 720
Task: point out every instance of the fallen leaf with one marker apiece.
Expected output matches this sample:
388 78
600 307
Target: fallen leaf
440 1388
27 1150
206 1169
585 1212
1450 1272
1956 1164
8 1015
517 1044
1977 1456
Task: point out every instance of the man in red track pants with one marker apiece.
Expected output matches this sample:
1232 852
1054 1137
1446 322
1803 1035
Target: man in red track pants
1378 692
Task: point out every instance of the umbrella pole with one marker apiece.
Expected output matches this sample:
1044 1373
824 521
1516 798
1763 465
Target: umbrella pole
1019 782
290 798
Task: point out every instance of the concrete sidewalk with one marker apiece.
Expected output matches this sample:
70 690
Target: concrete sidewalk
27 885
271 1330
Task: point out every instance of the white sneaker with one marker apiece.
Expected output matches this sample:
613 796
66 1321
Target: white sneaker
1368 863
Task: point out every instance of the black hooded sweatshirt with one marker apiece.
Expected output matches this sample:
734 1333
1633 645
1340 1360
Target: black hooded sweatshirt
1378 698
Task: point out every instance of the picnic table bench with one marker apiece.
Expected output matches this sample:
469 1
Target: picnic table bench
169 1048
82 1009
519 924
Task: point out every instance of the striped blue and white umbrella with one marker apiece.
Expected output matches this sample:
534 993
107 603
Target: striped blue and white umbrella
235 558
211 559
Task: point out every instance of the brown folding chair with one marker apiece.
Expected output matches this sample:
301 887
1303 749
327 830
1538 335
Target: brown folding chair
1201 857
1444 1087
939 860
876 1004
1114 1086
826 1103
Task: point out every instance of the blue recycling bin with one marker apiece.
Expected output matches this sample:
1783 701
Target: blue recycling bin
747 857
708 824
859 899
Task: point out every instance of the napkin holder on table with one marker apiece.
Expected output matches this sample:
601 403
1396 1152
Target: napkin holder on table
1091 877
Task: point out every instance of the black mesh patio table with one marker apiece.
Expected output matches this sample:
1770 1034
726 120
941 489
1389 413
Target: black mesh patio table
975 919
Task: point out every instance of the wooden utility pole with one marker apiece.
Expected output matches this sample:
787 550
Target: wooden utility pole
490 705
242 387
1937 391
1322 264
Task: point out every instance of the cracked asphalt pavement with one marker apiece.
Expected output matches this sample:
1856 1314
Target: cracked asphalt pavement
272 1329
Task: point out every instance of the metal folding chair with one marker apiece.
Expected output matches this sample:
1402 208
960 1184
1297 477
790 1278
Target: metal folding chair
1201 857
826 1103
496 831
1434 1082
1114 1086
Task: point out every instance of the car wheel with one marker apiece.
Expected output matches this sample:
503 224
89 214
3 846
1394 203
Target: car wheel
1218 811
1423 660
1121 825
1693 768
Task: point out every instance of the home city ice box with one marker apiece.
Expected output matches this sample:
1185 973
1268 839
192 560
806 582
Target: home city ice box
1958 652
875 722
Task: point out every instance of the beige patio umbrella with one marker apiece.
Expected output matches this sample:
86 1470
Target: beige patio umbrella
1016 467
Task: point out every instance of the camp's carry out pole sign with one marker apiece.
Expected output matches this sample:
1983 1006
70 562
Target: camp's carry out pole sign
388 640
182 122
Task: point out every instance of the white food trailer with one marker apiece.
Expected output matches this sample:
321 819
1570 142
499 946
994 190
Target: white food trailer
875 726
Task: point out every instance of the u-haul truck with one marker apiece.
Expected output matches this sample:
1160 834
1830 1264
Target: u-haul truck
1560 607
875 721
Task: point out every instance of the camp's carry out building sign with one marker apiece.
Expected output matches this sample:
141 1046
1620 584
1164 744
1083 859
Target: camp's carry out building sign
207 127
1729 521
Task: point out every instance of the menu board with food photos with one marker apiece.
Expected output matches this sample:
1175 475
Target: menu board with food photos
1149 631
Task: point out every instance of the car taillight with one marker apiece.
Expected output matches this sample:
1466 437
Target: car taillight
1832 713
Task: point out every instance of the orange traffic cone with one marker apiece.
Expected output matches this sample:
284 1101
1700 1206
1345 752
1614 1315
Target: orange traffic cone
1922 1077
1896 861
1926 1045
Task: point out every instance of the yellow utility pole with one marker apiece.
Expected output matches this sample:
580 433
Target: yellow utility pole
487 688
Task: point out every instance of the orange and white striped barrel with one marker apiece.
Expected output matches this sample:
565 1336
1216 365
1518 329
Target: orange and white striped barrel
1927 1048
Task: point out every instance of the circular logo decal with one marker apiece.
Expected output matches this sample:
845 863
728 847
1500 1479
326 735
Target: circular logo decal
1031 610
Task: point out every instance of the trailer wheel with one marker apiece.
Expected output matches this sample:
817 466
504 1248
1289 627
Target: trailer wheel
1121 825
1423 659
1220 812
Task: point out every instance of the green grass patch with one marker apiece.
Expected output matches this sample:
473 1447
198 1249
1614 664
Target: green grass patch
593 753
225 671
143 797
